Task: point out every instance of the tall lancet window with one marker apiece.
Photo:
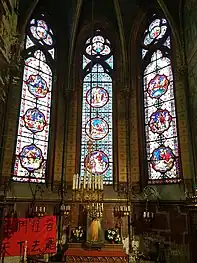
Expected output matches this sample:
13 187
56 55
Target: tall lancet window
35 107
96 135
162 147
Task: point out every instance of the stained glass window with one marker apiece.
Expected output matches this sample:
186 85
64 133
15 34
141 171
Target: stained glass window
162 146
96 135
34 118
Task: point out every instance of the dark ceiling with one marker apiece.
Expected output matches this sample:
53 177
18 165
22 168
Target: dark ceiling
68 17
64 14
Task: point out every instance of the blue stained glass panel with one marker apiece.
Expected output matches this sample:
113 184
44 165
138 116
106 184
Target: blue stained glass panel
97 110
110 61
34 119
159 108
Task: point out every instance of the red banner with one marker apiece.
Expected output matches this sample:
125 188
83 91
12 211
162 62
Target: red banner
29 236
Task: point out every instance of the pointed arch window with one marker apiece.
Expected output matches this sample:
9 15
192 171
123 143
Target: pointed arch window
35 106
96 132
161 139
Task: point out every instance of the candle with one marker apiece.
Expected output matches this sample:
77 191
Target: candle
77 181
96 180
101 182
80 182
25 251
90 180
74 183
93 179
84 181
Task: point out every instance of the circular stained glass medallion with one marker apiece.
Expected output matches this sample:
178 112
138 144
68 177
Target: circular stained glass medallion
158 86
157 30
154 33
97 97
34 120
162 159
37 86
98 46
31 157
96 162
160 121
41 32
97 128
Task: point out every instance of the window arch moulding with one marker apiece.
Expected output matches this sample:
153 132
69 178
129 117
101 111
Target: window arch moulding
97 122
160 119
32 143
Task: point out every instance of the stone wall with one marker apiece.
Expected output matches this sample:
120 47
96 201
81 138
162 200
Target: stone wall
167 233
8 39
190 34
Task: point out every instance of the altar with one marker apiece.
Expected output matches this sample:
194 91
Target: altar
109 253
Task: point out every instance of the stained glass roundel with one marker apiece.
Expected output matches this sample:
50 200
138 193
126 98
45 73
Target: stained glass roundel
37 86
34 120
158 86
31 157
98 46
162 159
40 31
97 128
157 30
96 162
160 121
97 97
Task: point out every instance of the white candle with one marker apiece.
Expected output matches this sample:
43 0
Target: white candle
101 182
96 180
90 181
84 181
25 251
77 181
93 179
74 183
